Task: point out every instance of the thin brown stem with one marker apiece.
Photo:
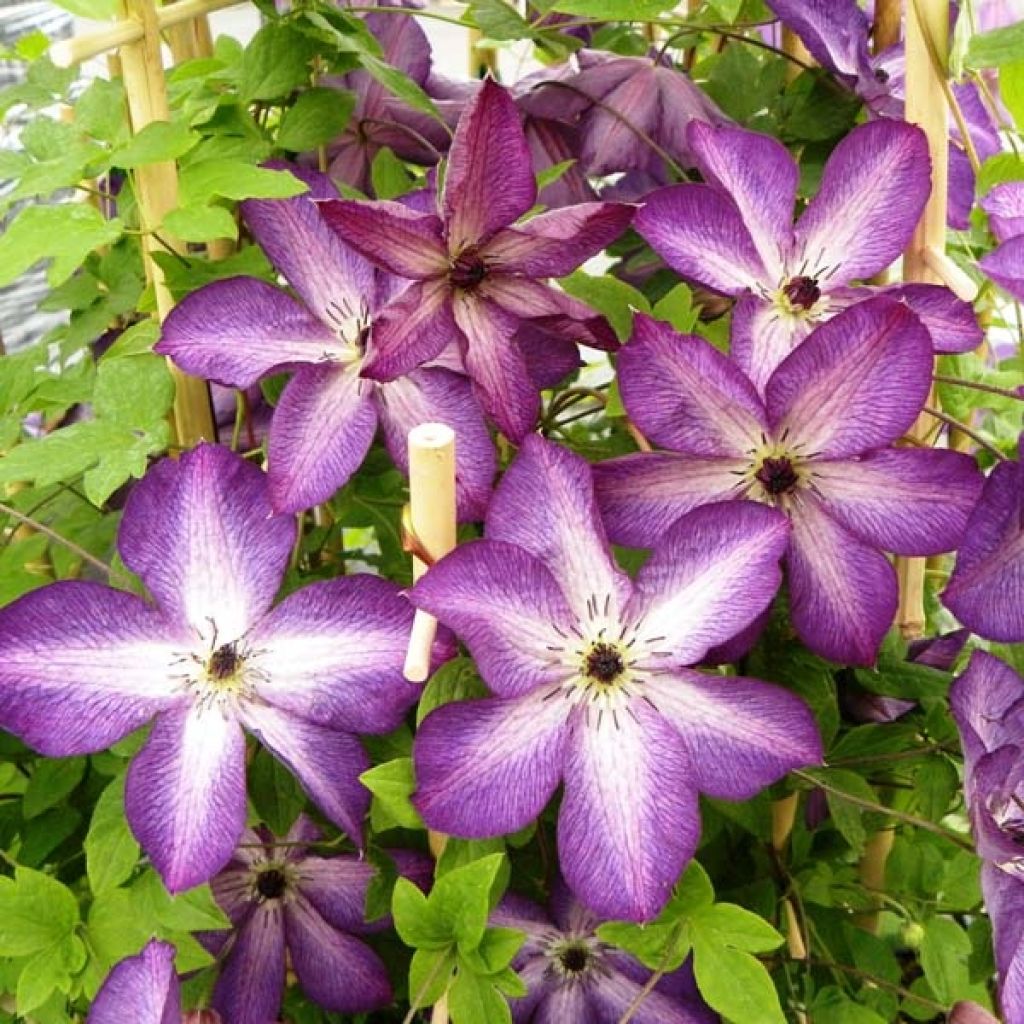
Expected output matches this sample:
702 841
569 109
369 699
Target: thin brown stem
956 424
960 382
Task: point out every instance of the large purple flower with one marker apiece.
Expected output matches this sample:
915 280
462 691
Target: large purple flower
142 989
735 235
84 665
572 977
819 447
1005 264
237 330
475 271
282 900
985 590
589 671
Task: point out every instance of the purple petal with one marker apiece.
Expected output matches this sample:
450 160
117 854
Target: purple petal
981 699
642 495
685 395
835 32
83 666
501 379
709 577
142 989
739 735
549 358
960 188
327 762
489 182
857 382
322 428
1004 900
842 591
554 244
390 235
185 794
566 1004
335 970
950 321
240 329
1005 266
251 982
488 767
229 554
333 653
762 335
700 233
1005 208
629 820
507 608
872 192
613 993
906 500
760 177
988 579
545 504
434 395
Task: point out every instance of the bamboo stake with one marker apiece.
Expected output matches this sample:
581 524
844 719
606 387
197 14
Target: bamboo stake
783 818
794 46
886 30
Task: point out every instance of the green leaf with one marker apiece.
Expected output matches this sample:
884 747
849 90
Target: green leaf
317 116
830 1004
94 10
275 794
676 308
615 10
111 851
466 897
496 951
233 179
610 296
499 20
99 111
455 680
999 168
944 952
275 62
49 970
730 925
430 973
390 177
419 923
549 175
63 232
36 913
392 785
201 223
936 783
735 984
474 1000
846 815
156 143
1011 90
400 84
52 781
996 48
134 391
136 340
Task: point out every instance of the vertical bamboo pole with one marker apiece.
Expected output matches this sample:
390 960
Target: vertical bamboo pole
157 194
886 30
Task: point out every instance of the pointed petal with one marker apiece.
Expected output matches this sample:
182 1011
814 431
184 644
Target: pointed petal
555 243
326 762
739 735
545 504
762 335
709 577
872 192
240 329
613 993
549 358
857 382
142 989
412 329
333 652
629 820
185 794
907 500
700 234
83 666
842 591
950 321
1005 266
1005 208
250 986
390 235
642 495
488 767
1004 900
321 430
229 553
684 394
332 279
988 579
565 1004
434 395
981 698
835 32
759 175
495 363
489 182
505 605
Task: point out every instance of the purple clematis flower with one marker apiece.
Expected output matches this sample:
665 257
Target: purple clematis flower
240 329
84 665
283 900
735 235
1005 264
987 702
589 671
573 977
475 271
819 447
984 591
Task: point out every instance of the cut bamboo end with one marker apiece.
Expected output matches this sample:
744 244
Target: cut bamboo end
956 280
433 523
783 820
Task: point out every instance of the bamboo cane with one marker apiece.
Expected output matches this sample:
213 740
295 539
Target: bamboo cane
886 29
783 818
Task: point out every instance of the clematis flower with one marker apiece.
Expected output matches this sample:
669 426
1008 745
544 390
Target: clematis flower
735 235
84 665
591 686
238 330
1004 205
476 273
285 901
819 447
142 989
984 591
573 977
987 702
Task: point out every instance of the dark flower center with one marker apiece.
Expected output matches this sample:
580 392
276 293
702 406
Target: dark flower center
271 884
802 292
882 75
467 270
574 959
224 661
604 663
777 476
